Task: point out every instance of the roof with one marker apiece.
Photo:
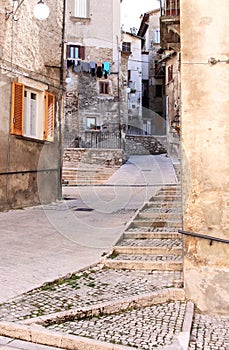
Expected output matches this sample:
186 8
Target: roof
144 25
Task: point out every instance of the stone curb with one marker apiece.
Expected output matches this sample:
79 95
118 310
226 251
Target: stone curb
182 340
33 331
111 307
38 335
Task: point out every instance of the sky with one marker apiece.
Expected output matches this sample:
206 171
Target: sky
131 10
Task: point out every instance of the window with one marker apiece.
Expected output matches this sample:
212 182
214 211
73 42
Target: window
75 52
32 113
157 36
103 87
126 47
81 8
91 123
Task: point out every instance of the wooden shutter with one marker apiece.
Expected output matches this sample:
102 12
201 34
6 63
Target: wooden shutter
67 51
17 109
82 52
49 117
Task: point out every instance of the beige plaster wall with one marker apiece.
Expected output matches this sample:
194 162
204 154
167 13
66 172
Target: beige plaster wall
30 52
205 154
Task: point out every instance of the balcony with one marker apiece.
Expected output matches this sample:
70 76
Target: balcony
170 8
170 24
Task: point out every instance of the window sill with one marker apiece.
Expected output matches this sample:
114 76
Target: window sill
80 19
31 139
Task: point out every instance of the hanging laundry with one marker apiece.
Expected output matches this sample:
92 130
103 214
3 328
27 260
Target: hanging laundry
92 64
78 67
85 67
99 72
70 63
93 72
106 67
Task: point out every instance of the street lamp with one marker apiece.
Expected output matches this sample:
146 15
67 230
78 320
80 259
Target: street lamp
41 10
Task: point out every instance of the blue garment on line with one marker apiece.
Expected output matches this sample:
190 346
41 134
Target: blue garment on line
106 67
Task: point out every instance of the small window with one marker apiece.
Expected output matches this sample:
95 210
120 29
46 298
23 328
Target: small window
91 123
81 8
75 52
103 87
126 47
157 36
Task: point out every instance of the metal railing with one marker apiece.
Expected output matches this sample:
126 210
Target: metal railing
100 139
199 235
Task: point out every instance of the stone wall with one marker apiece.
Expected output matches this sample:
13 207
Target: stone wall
140 145
74 156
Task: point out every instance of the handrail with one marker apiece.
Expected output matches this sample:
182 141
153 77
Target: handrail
198 235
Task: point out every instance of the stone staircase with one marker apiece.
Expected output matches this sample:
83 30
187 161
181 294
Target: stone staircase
90 166
151 241
87 174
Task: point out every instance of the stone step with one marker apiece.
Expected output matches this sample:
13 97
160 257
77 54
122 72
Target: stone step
85 177
174 190
151 235
144 262
158 215
150 243
82 182
155 223
166 198
147 250
161 204
152 229
151 209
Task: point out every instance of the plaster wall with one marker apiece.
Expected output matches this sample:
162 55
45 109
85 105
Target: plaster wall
30 54
205 153
99 30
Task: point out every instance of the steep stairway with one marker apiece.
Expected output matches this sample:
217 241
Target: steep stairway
151 241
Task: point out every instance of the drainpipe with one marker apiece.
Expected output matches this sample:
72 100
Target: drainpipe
60 145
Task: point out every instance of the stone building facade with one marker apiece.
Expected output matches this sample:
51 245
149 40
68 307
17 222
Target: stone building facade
93 59
152 81
205 156
31 104
132 81
170 63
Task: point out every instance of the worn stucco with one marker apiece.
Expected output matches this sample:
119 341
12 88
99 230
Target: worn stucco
205 153
100 35
30 53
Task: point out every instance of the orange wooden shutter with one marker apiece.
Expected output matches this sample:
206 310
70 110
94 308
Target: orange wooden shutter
17 109
49 117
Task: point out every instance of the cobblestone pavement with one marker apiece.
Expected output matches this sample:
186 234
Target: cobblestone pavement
145 328
209 333
86 288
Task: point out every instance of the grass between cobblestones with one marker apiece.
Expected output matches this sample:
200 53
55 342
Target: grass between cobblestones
142 328
84 289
